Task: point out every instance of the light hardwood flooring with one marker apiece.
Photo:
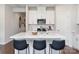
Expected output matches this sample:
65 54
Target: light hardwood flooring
7 48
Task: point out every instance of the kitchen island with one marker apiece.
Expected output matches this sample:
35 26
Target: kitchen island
29 37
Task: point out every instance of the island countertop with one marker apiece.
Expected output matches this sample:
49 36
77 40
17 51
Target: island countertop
24 35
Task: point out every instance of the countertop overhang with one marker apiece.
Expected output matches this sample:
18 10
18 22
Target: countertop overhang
25 35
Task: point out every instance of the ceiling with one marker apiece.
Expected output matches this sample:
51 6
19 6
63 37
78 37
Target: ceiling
17 5
42 5
24 5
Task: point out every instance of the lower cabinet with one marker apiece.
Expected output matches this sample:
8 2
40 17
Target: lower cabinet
76 43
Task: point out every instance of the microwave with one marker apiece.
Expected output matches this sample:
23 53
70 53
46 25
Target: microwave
41 21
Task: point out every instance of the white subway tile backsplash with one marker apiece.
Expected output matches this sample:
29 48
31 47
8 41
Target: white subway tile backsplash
33 27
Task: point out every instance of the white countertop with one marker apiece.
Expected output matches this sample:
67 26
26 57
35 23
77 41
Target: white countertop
25 35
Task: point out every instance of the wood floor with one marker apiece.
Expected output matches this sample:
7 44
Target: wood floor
8 49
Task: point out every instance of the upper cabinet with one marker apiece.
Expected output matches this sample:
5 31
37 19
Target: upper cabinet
32 15
50 15
41 12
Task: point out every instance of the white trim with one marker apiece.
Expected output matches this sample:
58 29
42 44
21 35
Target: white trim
3 43
19 10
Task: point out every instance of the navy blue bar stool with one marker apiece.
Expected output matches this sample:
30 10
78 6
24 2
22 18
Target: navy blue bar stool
21 45
39 45
57 45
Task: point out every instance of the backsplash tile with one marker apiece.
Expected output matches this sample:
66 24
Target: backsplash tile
33 27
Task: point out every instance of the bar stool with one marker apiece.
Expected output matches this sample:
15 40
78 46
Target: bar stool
57 45
21 45
39 45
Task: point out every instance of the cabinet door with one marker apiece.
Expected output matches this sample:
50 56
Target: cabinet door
65 21
41 13
50 17
76 46
77 14
32 17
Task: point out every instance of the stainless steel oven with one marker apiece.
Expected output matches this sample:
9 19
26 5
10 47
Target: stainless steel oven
41 21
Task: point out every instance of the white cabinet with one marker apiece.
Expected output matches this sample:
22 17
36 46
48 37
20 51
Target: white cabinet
41 12
65 21
32 16
50 17
77 14
75 43
35 14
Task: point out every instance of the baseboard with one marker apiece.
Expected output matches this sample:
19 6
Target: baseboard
3 43
76 49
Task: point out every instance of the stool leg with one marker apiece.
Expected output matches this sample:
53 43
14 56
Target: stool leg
18 51
59 51
33 51
44 51
28 50
49 49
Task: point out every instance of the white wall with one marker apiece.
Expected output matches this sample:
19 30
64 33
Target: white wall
8 23
11 23
2 23
19 10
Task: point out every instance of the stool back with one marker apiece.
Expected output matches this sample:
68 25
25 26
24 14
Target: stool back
39 44
58 44
19 44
